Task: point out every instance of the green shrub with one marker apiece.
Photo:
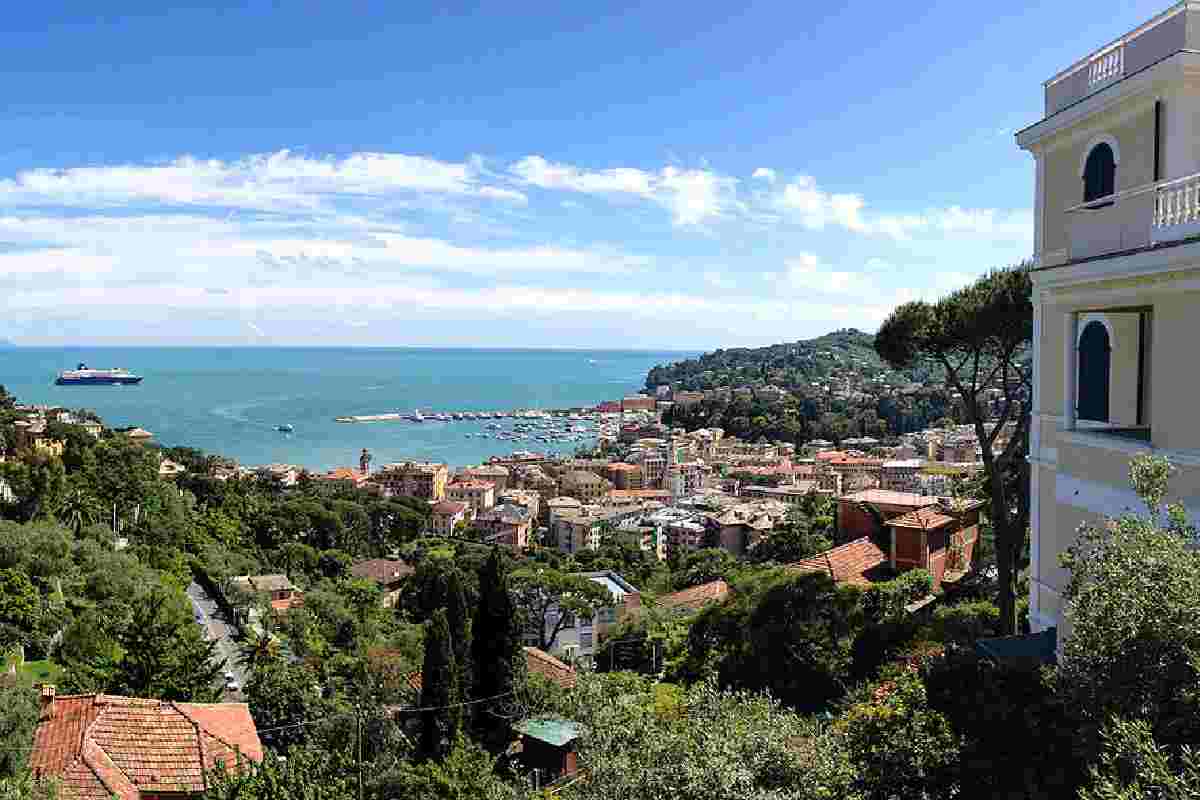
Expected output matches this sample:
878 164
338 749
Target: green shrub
966 622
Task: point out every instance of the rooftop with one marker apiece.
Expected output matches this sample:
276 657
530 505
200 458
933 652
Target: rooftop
859 563
381 570
696 597
102 746
449 507
890 498
925 519
542 663
551 730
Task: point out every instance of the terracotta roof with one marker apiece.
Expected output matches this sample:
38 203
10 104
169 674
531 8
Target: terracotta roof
449 507
829 455
858 562
546 665
925 519
696 597
381 570
890 498
343 474
536 661
481 485
100 746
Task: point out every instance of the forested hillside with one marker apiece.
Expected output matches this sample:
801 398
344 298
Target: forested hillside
834 387
846 354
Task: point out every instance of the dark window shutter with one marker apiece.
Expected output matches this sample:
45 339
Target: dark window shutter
1099 173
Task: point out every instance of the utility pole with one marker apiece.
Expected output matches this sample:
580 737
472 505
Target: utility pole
359 726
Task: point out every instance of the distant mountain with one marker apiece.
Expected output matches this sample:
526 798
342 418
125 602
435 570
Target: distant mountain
847 354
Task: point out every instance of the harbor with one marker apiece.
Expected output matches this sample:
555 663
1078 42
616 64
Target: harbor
520 425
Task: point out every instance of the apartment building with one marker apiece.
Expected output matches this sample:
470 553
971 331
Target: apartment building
1116 285
479 495
624 476
426 480
585 486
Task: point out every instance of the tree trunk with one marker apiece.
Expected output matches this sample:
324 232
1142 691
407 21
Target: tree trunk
1006 539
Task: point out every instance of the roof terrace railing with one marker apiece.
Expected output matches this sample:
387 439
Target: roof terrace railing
1108 61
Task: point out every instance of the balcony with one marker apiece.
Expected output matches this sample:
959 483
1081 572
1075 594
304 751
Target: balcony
1162 36
1151 214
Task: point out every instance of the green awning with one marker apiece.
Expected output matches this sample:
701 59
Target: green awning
1033 649
551 730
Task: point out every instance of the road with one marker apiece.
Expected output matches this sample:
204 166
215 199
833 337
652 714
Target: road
222 631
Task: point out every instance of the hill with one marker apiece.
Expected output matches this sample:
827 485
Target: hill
846 355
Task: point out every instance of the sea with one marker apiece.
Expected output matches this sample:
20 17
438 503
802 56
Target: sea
229 400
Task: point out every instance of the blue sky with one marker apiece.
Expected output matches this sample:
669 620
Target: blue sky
659 175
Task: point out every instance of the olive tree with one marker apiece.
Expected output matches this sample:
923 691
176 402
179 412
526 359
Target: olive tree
979 335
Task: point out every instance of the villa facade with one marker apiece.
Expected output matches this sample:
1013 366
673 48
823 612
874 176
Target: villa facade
1116 285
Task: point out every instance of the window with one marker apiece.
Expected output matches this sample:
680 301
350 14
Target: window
1095 367
1112 362
1099 173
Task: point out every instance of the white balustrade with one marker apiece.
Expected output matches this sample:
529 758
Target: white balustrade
1178 203
1106 66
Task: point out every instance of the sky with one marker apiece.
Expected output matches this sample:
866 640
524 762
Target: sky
663 175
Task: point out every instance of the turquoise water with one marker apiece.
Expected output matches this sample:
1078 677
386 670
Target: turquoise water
228 400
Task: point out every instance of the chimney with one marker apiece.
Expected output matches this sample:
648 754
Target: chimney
47 692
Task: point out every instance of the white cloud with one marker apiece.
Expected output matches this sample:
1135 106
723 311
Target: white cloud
539 172
804 274
693 196
802 200
266 181
765 173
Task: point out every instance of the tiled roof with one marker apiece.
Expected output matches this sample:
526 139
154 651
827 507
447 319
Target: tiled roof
100 746
536 661
480 485
546 665
449 507
858 562
381 570
890 498
696 597
925 519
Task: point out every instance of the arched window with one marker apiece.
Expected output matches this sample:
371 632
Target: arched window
1095 353
1100 173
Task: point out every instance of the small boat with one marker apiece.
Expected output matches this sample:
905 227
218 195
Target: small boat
286 427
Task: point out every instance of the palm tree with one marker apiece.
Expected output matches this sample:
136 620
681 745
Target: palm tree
259 648
78 509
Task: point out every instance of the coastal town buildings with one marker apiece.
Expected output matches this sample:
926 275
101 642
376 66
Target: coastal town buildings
495 474
528 499
446 517
1115 287
507 524
583 485
624 476
479 495
425 480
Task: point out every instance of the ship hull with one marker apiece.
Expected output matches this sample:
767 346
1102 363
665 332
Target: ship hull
119 380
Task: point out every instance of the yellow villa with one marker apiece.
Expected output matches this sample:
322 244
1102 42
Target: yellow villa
1116 284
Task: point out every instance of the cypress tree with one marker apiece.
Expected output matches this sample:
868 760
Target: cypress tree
496 645
440 688
459 618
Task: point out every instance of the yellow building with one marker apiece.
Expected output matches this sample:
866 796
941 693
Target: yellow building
1116 285
426 480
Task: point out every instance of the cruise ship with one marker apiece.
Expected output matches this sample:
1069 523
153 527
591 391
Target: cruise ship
105 377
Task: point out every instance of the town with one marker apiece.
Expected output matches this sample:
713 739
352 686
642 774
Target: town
956 557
